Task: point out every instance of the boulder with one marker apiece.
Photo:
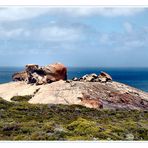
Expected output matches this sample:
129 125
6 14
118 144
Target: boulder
30 68
55 72
104 77
85 76
20 76
42 75
89 77
75 79
93 75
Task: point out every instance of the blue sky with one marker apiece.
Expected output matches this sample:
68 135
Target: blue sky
75 36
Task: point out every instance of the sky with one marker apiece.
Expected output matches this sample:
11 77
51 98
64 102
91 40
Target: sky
75 36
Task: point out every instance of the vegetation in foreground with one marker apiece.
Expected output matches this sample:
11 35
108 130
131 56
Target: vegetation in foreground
20 120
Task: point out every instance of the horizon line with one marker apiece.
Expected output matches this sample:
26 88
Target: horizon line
88 66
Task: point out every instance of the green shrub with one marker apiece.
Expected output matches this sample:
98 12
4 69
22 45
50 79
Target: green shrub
21 98
20 120
83 127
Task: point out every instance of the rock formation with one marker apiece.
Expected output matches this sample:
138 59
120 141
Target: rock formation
102 77
42 75
110 95
91 90
20 76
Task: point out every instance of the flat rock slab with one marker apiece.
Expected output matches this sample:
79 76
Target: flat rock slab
8 90
90 94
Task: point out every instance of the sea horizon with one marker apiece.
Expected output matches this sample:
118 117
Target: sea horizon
80 66
135 76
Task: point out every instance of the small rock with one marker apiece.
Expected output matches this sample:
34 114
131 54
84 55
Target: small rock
68 81
89 77
93 75
75 79
84 77
129 137
104 77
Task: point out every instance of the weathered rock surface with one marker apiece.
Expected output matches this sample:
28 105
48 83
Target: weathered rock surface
102 77
42 75
91 90
20 76
98 95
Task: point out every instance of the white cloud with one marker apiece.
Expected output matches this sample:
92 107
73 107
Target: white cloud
132 40
128 27
135 43
120 11
22 13
51 33
13 33
104 38
59 33
107 12
64 35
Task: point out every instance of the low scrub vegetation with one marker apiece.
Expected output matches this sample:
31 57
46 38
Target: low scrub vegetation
21 98
20 120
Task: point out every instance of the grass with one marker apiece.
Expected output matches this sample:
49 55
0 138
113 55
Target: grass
20 120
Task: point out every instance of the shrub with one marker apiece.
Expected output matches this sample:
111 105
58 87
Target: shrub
20 120
21 98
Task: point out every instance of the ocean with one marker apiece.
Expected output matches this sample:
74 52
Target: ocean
136 77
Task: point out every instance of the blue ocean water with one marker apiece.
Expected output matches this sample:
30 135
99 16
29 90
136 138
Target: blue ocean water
136 77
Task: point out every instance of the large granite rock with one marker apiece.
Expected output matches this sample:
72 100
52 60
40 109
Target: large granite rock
41 75
111 95
91 90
